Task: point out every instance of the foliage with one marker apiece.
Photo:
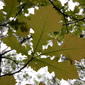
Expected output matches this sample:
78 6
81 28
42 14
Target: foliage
52 23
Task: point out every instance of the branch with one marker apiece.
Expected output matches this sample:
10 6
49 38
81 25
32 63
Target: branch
9 74
3 24
10 59
7 22
6 52
27 38
20 10
59 10
63 13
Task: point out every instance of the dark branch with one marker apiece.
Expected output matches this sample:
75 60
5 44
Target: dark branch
9 74
27 38
6 52
59 10
20 10
10 59
63 13
3 24
7 22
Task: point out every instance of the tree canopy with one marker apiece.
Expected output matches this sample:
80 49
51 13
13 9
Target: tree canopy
53 36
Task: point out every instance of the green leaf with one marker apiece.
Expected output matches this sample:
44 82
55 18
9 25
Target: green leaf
2 16
21 27
45 21
10 7
12 42
73 48
78 45
62 70
82 2
40 3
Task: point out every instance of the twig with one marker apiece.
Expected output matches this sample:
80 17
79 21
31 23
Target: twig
9 74
10 59
63 13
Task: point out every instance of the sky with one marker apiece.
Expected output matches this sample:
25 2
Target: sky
42 74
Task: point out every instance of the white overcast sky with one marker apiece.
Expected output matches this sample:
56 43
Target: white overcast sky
44 70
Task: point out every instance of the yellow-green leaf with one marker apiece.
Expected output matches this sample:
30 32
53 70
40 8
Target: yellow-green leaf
12 42
62 70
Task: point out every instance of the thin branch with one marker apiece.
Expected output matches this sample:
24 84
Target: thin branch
59 10
7 22
20 10
27 38
6 52
67 31
9 74
10 59
3 24
63 13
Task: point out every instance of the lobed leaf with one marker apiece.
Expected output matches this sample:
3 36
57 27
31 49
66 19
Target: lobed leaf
62 70
12 42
